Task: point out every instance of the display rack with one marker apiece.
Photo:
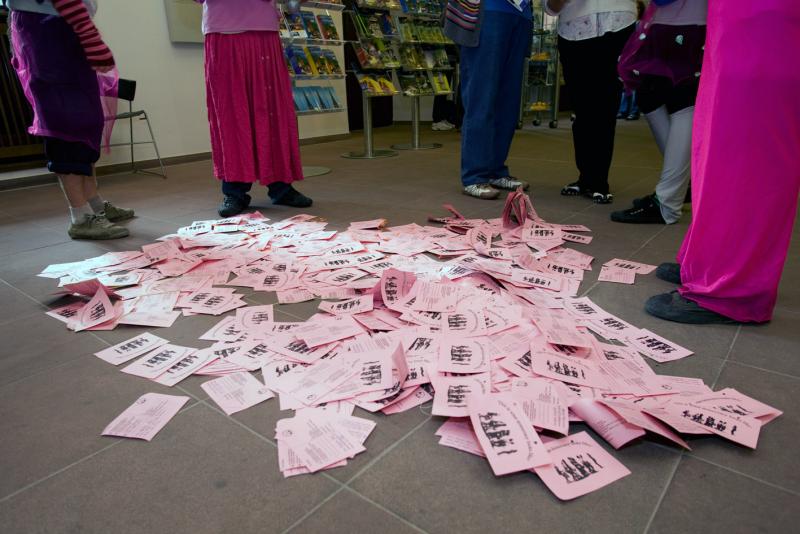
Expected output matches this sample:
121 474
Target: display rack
542 73
399 44
313 51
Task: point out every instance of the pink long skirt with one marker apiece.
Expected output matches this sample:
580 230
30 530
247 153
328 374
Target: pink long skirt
250 109
745 158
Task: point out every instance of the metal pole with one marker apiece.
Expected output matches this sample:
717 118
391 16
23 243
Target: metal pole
368 141
369 149
415 136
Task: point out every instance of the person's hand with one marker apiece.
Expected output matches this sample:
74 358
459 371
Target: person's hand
103 68
557 5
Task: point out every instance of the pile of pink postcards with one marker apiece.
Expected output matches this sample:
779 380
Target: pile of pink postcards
480 316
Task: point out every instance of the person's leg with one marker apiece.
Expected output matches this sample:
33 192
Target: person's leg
675 173
481 77
576 59
507 103
658 120
634 106
624 105
602 111
72 163
734 252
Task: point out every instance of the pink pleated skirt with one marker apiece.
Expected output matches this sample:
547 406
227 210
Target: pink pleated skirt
250 109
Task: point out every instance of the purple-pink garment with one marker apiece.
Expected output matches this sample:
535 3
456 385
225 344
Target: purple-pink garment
228 16
664 46
70 101
745 163
251 114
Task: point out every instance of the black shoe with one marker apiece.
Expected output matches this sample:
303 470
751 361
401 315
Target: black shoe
673 307
574 189
632 117
233 206
602 198
645 213
294 198
620 115
639 202
669 272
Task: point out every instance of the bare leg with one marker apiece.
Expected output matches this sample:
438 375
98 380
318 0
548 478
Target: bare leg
72 185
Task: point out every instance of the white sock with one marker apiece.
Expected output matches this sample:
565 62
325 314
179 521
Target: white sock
97 203
77 214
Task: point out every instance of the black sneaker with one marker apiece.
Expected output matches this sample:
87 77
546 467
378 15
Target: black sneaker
602 198
669 272
639 202
632 117
644 213
232 206
294 198
673 307
574 189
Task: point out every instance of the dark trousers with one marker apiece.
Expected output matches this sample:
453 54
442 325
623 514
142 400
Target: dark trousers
491 86
590 71
238 190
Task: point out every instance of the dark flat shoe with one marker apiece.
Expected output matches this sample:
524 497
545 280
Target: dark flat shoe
673 307
669 272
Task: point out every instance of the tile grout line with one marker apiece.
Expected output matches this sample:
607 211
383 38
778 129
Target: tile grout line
58 472
386 510
727 357
386 451
313 510
663 494
683 453
693 456
346 485
75 463
749 366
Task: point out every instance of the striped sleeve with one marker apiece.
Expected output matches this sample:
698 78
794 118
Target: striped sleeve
75 14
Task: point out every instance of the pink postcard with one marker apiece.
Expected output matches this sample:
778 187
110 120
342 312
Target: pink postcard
145 417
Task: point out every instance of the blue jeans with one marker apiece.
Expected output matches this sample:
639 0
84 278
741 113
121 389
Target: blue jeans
491 85
628 105
238 190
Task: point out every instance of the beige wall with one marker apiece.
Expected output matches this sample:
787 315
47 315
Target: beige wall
170 82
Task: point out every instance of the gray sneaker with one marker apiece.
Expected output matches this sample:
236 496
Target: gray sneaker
114 214
96 226
484 191
509 183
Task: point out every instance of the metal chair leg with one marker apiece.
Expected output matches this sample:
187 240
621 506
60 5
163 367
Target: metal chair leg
155 146
130 124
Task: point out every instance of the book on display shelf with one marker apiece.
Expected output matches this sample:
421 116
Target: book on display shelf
300 61
368 55
314 54
376 85
415 84
310 23
283 28
328 63
327 28
441 85
411 57
294 21
406 29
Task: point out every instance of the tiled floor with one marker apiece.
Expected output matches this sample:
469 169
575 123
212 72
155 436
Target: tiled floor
206 472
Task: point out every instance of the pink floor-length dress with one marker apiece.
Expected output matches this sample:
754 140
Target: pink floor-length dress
745 158
251 113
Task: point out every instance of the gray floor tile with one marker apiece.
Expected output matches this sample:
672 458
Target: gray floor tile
347 512
708 499
33 346
16 305
201 473
55 418
770 460
445 490
774 345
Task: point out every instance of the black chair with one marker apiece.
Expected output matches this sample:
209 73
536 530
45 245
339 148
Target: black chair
127 91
